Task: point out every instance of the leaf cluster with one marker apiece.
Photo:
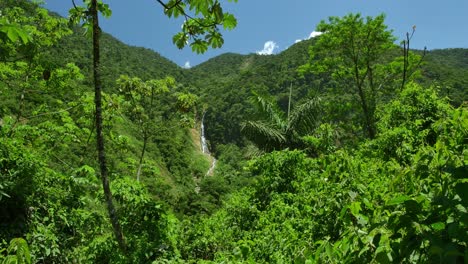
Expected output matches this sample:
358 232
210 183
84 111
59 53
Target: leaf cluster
353 206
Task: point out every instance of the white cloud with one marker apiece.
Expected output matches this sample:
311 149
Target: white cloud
268 48
187 65
314 34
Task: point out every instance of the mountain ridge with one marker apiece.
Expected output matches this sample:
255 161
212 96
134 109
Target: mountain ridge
224 82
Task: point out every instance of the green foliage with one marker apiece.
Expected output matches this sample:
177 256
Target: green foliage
401 197
277 174
18 167
325 138
277 131
355 206
17 252
146 223
186 101
141 100
351 51
200 30
22 70
24 32
407 123
450 76
81 14
225 83
12 31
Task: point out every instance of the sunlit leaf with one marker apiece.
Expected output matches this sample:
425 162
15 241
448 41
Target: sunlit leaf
199 46
229 21
398 200
438 226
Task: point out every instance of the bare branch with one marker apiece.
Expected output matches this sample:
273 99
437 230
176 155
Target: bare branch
74 5
53 113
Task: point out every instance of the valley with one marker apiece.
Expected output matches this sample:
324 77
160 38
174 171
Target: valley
331 151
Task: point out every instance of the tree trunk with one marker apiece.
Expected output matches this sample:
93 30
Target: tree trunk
100 139
368 115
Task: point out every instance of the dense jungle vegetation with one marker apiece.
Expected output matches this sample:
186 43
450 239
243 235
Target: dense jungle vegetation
345 148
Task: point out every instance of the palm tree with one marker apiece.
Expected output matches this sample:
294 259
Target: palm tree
277 130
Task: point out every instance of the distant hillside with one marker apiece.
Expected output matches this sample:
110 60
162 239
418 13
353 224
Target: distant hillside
224 83
184 186
231 65
117 58
448 69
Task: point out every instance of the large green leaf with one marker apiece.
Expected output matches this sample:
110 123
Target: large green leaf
15 33
398 200
304 118
265 136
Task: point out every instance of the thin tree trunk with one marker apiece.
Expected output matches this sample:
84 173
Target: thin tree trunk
100 139
371 102
367 114
405 60
289 101
369 126
359 81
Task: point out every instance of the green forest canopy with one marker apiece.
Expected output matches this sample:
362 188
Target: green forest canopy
340 195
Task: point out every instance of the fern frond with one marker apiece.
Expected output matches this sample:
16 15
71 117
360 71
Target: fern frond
19 247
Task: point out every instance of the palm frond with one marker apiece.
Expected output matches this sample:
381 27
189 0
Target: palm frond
263 135
304 118
252 151
268 109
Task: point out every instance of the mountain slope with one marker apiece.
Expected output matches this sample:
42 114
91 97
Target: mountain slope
117 59
224 83
50 195
448 69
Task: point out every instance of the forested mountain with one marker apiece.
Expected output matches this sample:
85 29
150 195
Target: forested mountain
226 81
319 155
448 69
118 58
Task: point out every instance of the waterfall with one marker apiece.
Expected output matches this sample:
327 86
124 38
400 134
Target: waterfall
213 165
204 146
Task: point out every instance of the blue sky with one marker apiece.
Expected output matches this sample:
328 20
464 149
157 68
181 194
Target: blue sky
276 25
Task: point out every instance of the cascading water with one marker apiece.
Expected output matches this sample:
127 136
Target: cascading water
204 146
213 165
